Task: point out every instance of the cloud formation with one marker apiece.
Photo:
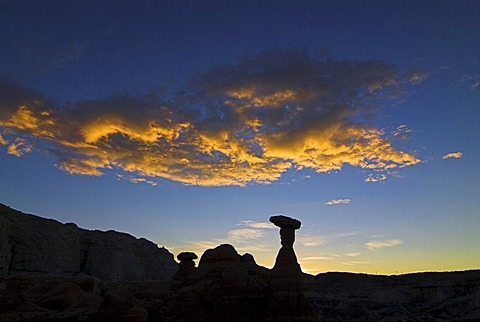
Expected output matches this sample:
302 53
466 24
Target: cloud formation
375 245
353 263
338 202
311 241
416 75
236 124
137 180
453 155
321 257
244 233
258 225
246 238
375 178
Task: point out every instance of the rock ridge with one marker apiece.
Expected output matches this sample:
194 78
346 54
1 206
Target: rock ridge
33 245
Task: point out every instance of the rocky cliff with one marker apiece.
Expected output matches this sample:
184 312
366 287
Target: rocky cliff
30 244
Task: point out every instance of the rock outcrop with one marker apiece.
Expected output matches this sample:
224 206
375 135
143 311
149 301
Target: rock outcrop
34 245
226 286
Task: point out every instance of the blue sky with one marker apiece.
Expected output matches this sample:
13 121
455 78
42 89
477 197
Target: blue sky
190 123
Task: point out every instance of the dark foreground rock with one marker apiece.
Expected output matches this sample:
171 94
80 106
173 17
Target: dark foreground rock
240 292
226 286
448 296
35 245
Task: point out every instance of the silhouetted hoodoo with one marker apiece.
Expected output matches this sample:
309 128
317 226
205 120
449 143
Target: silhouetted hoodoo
186 266
286 277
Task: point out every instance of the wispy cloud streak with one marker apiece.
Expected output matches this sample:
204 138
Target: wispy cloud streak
246 238
258 225
311 241
321 257
338 202
234 125
375 178
378 244
453 155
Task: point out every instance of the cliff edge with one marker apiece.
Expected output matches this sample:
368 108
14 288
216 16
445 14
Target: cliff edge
33 245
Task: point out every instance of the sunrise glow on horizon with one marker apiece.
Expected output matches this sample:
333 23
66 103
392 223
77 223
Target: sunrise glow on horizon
190 123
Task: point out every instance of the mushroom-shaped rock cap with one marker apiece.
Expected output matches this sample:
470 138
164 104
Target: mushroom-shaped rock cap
186 256
285 222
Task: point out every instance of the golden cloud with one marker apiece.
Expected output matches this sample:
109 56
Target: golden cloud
19 147
235 125
453 155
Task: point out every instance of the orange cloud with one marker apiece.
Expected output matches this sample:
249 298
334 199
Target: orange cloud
453 155
237 124
19 147
253 99
33 119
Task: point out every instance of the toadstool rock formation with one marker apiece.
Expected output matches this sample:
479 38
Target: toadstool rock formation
288 301
186 266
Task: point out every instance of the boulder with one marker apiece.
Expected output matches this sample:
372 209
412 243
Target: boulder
120 305
224 253
285 222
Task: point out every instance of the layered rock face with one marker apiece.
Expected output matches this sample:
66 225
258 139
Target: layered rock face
30 244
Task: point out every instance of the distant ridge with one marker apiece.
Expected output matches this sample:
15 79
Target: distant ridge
34 245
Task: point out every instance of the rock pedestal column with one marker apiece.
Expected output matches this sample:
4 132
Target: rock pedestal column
288 298
287 282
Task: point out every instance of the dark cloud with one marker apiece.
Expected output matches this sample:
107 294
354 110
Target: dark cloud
241 123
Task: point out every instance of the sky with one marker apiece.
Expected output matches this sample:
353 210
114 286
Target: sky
190 123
